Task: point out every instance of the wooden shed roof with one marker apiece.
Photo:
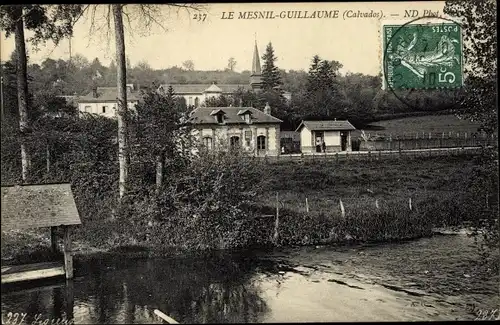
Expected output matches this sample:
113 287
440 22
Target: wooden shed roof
326 126
37 206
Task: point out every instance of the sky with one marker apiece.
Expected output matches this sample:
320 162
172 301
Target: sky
209 40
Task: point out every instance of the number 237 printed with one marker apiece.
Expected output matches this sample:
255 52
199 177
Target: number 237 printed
200 17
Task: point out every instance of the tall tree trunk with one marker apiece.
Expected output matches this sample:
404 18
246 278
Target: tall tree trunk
123 155
22 91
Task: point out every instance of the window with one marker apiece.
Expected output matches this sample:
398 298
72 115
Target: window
104 109
220 118
87 109
190 100
196 102
207 142
247 118
248 137
234 142
261 142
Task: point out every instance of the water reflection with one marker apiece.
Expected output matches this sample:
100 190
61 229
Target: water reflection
361 283
199 291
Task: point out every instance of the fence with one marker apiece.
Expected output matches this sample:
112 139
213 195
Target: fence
425 141
376 155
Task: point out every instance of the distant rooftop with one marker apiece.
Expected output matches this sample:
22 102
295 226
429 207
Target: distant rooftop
107 94
181 89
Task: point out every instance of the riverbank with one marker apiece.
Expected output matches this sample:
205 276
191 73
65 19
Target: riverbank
380 203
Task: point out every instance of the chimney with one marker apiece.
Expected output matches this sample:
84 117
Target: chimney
267 109
94 92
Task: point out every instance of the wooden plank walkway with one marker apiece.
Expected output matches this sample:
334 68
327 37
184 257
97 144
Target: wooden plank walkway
28 272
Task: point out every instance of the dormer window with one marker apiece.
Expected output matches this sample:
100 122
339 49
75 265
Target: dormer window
218 114
246 115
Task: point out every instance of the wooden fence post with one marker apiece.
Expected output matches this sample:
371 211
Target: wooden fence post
276 222
337 157
342 210
68 258
409 203
307 205
376 204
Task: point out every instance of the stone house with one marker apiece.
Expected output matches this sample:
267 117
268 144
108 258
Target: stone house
244 127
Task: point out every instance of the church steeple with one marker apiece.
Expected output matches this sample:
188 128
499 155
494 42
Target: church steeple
256 69
256 75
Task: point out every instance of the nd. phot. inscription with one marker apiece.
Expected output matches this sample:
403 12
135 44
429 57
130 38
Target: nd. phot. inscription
423 55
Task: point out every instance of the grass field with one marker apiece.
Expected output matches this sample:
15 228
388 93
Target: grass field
360 183
435 124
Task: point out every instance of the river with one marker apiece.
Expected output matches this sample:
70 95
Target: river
427 279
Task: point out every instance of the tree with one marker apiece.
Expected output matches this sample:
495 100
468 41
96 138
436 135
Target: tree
159 118
147 15
220 101
231 63
188 65
322 96
478 20
271 76
122 112
312 78
47 22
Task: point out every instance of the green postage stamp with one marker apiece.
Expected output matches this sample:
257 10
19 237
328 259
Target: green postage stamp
420 55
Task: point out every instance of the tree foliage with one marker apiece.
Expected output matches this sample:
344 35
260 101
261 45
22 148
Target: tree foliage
47 22
188 65
271 76
231 64
478 20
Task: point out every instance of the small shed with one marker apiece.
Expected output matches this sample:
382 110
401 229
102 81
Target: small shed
37 206
325 136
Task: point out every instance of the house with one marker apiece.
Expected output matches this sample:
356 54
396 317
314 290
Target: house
103 100
336 135
244 127
196 94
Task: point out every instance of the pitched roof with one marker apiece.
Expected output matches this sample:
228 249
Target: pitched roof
36 206
326 126
107 94
200 88
213 89
202 115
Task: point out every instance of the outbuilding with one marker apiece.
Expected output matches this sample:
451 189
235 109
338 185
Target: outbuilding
325 136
